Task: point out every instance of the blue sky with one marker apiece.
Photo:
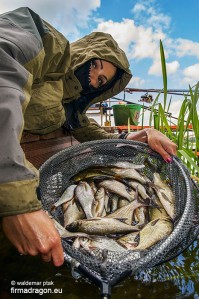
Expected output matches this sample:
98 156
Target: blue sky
138 26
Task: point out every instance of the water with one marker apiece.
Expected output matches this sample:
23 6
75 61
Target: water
177 279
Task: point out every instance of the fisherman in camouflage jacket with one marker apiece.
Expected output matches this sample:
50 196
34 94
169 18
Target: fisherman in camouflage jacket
47 83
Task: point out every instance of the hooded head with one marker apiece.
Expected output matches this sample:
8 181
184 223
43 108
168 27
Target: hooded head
99 46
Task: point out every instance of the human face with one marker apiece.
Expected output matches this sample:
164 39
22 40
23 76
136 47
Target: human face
101 71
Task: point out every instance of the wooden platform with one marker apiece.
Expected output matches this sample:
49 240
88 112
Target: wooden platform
40 148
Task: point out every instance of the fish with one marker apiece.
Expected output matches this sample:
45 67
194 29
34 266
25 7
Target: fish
126 164
165 195
65 234
122 202
100 226
72 212
115 172
91 173
85 196
129 173
99 203
93 187
160 212
114 202
116 187
141 216
100 242
141 189
153 232
127 211
130 240
67 195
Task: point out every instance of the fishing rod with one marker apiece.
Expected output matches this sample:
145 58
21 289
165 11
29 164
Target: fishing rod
183 92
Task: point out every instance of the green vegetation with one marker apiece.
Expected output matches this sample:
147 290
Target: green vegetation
187 134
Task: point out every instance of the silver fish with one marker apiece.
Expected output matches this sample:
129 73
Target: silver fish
101 242
129 241
66 196
141 216
165 195
100 226
157 212
71 212
93 187
127 211
126 164
69 235
141 190
117 188
114 202
122 202
153 232
129 173
85 196
98 206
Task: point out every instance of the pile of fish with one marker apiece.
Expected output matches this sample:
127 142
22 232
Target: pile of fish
116 207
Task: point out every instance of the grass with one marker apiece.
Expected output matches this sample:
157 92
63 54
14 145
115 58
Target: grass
188 115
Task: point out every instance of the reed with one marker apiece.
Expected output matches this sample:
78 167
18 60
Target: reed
188 121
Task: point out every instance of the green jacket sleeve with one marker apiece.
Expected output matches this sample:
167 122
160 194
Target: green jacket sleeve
92 131
18 178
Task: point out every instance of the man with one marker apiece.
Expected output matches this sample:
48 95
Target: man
46 84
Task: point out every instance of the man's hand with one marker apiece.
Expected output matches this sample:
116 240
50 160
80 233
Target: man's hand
157 141
34 233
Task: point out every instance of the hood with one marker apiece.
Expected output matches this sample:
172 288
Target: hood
102 46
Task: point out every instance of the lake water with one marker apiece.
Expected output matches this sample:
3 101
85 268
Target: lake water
178 278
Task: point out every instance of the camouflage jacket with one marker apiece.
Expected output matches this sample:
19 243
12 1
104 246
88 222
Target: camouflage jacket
37 66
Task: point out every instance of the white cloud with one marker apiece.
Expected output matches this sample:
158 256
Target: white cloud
136 82
156 68
137 41
138 8
191 74
147 12
185 47
67 16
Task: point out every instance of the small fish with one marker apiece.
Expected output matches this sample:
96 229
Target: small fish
66 196
93 187
141 190
126 164
127 211
129 173
91 173
85 196
114 202
153 232
71 212
141 216
116 187
157 212
100 226
109 171
122 202
101 242
98 206
130 240
69 235
165 195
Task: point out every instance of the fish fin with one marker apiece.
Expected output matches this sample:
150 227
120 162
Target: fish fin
166 197
121 219
93 219
155 221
